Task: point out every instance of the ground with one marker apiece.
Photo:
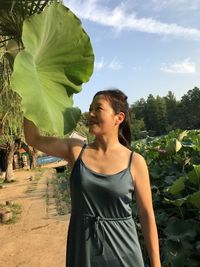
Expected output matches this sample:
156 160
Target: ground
38 239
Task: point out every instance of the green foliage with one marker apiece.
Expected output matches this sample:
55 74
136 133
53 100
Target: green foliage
163 114
10 105
82 127
62 191
137 127
57 59
12 15
175 180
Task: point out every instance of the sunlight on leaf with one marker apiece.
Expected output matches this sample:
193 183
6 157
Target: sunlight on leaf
57 59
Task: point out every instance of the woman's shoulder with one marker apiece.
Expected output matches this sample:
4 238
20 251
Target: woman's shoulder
75 147
138 162
137 156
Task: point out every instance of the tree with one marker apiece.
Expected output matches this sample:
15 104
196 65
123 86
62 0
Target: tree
11 116
137 127
171 106
138 108
151 114
189 110
193 102
162 118
82 127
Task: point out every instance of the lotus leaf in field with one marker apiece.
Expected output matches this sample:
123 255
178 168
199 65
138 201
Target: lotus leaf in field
57 59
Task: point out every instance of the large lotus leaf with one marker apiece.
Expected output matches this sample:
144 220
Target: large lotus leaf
177 202
194 175
57 59
182 135
178 185
181 230
195 199
176 254
178 145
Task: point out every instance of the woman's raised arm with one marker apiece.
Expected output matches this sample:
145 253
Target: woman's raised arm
55 146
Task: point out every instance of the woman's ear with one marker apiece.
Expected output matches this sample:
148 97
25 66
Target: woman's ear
120 117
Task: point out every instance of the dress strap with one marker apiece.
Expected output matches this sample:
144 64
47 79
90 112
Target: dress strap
82 150
130 160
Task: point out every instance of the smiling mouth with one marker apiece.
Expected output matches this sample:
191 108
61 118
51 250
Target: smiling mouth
92 122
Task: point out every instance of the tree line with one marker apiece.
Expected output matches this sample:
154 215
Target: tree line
159 115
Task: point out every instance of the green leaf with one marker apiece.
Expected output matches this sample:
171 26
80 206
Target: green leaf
177 202
195 199
197 245
178 185
173 145
178 145
181 230
194 175
176 253
182 135
57 59
170 146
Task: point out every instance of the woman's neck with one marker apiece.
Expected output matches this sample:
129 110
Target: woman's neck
106 144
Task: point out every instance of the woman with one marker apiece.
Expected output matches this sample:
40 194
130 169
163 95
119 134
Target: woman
105 174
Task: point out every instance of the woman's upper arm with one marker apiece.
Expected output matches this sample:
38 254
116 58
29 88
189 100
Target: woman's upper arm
60 147
55 146
142 185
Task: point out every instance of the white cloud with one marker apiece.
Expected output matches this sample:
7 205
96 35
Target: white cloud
181 67
121 18
102 64
114 65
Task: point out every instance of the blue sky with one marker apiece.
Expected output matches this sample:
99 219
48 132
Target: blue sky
141 46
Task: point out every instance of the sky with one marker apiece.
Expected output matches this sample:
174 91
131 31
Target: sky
141 46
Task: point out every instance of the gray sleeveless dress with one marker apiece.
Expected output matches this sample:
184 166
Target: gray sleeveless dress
102 231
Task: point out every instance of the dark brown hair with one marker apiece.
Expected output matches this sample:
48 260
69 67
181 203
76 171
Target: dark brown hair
118 101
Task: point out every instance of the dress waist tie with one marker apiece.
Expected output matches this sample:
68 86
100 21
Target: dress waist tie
97 223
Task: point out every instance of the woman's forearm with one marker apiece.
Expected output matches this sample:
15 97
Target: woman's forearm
150 234
31 132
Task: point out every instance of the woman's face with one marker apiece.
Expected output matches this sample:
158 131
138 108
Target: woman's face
101 117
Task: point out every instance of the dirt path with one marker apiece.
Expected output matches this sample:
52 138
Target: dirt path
38 239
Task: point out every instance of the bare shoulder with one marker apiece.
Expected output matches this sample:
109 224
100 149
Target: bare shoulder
75 145
138 166
138 159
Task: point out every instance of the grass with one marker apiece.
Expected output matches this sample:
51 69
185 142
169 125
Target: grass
33 184
62 192
39 169
3 181
16 210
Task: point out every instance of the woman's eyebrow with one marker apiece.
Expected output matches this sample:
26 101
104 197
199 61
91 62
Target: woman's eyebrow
98 104
95 104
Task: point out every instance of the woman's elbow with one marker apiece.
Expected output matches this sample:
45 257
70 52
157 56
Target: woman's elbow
146 215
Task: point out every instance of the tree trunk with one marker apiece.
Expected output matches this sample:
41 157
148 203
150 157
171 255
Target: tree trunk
9 170
32 155
34 158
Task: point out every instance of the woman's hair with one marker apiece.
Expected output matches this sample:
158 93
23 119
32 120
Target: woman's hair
118 101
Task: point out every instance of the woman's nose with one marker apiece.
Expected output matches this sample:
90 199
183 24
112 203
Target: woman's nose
91 113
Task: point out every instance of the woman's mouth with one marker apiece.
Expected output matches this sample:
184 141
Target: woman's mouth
91 122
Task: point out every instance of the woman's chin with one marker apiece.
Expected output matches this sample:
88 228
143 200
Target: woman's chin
92 130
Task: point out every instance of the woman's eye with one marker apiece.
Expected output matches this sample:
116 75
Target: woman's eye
95 109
